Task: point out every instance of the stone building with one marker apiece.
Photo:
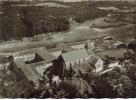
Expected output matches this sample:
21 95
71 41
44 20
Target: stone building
96 63
25 72
70 59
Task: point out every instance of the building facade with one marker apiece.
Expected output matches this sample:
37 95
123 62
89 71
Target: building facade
70 59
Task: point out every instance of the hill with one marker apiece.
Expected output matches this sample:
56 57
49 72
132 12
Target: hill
124 33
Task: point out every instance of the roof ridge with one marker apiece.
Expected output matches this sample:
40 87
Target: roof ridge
75 51
71 56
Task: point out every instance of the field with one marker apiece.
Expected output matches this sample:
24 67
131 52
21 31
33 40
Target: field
124 33
81 32
24 45
117 53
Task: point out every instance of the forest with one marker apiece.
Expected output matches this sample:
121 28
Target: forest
28 21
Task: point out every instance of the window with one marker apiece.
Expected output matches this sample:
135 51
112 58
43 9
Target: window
70 64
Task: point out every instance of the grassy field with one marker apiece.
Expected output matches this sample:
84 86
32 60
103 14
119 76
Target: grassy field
117 53
78 32
124 33
24 45
106 22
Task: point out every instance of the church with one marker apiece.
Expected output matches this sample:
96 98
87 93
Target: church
70 59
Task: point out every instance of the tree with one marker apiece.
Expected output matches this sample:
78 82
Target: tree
69 73
113 84
76 88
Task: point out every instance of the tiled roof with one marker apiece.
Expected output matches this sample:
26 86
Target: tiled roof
27 70
46 56
93 60
75 55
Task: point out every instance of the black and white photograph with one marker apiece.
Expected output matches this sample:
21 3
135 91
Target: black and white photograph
67 49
